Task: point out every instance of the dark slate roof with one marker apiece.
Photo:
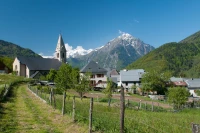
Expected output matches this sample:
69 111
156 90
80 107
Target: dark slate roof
38 63
114 72
93 67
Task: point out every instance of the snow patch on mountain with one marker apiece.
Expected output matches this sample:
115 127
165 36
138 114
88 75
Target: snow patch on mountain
46 56
98 48
79 50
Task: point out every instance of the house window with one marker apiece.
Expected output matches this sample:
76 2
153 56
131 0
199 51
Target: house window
126 83
57 55
92 76
100 75
15 67
92 82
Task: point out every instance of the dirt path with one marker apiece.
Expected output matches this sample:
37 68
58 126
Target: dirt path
131 98
26 113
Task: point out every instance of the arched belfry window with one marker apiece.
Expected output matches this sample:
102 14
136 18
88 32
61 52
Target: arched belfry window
15 67
57 55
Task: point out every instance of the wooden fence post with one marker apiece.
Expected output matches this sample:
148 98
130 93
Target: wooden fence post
145 105
152 108
195 128
73 114
122 109
128 103
140 104
90 115
50 97
54 99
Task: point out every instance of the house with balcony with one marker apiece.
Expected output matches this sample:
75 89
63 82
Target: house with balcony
98 77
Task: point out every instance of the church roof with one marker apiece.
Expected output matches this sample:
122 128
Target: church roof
93 67
60 44
38 63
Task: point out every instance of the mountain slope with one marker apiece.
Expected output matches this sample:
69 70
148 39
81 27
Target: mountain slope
12 50
182 59
117 53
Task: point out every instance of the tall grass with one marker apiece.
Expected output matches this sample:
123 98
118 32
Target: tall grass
106 119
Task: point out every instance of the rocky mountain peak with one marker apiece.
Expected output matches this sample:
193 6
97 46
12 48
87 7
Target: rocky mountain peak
126 36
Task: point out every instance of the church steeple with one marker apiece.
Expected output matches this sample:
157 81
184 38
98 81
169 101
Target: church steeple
61 50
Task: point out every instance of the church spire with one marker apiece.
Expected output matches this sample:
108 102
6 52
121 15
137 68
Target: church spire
61 50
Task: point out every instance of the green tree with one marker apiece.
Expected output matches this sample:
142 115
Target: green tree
178 96
42 77
197 92
133 88
109 90
64 81
51 75
83 85
154 81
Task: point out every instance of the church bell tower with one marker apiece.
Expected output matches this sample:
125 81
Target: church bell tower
61 51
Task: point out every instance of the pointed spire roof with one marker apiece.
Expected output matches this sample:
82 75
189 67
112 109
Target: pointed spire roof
60 44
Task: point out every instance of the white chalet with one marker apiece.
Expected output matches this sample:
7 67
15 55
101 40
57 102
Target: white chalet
128 78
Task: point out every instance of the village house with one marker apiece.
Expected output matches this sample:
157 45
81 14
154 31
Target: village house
193 85
98 77
178 82
128 78
34 67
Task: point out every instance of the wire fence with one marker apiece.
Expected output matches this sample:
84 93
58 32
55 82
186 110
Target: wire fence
139 116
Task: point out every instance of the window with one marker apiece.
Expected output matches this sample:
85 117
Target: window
100 75
63 55
15 67
57 55
126 83
92 76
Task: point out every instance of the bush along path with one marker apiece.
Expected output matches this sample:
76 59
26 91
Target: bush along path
24 112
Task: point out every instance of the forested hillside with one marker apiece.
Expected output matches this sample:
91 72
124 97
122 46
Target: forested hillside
181 59
12 50
8 51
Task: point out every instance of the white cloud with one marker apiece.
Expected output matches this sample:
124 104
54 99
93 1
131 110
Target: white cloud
68 48
79 50
135 20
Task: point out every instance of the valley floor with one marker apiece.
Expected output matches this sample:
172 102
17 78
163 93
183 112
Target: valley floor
24 112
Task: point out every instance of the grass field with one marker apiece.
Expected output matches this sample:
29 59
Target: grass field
106 119
24 112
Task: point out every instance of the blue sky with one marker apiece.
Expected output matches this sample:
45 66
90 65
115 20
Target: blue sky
36 24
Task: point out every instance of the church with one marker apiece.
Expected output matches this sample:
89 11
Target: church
34 67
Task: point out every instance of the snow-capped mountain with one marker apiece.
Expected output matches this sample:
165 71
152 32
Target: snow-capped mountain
117 53
79 50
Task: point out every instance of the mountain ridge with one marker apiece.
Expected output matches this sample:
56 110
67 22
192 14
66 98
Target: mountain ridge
117 53
180 58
